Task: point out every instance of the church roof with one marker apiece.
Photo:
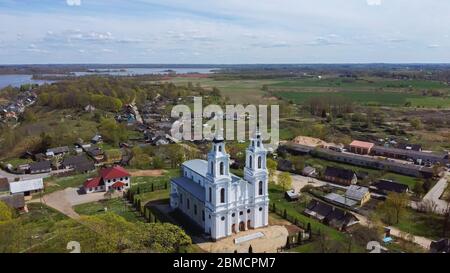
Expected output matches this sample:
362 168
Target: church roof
190 186
197 165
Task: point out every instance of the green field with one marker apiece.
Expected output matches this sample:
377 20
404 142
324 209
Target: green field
374 98
361 83
116 205
54 183
422 224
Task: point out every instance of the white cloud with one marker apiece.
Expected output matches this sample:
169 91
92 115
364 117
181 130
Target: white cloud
433 46
373 2
73 2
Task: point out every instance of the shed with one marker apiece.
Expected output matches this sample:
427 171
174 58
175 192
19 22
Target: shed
27 187
291 195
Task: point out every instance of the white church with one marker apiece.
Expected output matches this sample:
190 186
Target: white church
220 202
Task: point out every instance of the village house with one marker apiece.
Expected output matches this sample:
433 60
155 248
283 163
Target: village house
340 176
96 139
57 151
79 163
291 196
15 201
40 167
330 215
384 186
340 200
95 153
360 147
27 187
112 178
309 171
358 193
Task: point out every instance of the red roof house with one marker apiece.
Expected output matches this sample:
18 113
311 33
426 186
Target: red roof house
116 178
114 172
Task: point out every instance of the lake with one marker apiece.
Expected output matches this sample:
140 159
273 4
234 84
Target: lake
144 71
18 80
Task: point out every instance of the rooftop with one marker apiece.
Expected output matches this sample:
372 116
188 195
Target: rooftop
362 144
356 192
26 185
190 186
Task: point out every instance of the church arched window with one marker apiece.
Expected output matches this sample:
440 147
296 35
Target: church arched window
250 160
210 194
222 195
221 168
212 168
260 188
258 143
259 162
220 148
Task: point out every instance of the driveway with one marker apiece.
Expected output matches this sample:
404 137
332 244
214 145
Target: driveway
64 200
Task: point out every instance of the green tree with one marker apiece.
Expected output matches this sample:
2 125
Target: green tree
416 123
394 207
272 166
285 180
112 132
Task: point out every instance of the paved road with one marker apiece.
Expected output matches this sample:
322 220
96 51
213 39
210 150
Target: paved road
435 193
12 177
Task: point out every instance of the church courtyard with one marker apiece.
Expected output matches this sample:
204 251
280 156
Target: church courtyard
273 239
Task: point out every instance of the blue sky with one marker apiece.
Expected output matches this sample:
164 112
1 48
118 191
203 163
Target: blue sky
225 31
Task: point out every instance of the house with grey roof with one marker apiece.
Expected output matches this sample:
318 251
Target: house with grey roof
27 187
358 193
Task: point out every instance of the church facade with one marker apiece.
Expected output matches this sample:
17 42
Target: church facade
219 202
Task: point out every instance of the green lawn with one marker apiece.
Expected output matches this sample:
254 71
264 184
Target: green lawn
152 196
55 183
18 161
144 183
30 230
361 83
116 205
370 98
407 180
421 224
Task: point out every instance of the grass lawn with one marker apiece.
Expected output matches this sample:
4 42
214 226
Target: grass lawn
152 196
18 161
232 88
116 205
144 183
55 183
30 229
361 83
406 180
421 224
